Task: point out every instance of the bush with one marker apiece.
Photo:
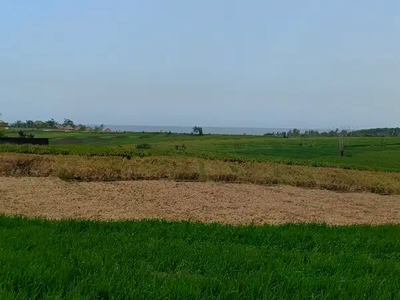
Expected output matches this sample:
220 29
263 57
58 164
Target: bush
21 134
197 130
143 146
180 147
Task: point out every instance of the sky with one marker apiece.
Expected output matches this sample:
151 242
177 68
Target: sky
255 63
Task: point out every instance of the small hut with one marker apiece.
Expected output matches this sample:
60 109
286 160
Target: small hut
68 128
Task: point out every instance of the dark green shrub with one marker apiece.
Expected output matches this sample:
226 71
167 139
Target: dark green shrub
21 134
180 148
143 146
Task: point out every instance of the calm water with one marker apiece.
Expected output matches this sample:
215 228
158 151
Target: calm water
206 130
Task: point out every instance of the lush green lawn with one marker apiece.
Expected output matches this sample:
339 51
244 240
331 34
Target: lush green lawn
159 260
374 153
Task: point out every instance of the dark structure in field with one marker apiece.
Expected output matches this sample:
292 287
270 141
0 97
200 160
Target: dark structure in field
20 141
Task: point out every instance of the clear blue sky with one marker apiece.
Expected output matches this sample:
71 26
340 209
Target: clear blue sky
256 63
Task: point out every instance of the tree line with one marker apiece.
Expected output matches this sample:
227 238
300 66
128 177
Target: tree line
34 124
49 124
52 124
373 132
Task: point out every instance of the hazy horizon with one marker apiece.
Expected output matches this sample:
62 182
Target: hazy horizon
261 64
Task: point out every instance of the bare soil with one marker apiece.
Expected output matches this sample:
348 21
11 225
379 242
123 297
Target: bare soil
196 201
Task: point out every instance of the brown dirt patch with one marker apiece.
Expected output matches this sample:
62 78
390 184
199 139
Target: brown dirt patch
196 201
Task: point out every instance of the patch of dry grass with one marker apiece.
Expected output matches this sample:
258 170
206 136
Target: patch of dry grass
208 202
193 169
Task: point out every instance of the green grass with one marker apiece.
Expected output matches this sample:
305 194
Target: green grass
364 153
159 260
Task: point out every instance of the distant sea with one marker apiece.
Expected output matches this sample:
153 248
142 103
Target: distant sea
206 130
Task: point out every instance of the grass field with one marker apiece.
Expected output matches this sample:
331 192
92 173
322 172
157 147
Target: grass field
159 260
365 153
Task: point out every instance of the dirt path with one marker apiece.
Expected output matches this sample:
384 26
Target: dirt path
206 202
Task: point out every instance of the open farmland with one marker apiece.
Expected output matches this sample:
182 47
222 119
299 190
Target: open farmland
91 186
364 153
199 150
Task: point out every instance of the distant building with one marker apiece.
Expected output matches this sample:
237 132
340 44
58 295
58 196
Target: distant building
108 130
59 127
68 128
83 128
38 123
3 124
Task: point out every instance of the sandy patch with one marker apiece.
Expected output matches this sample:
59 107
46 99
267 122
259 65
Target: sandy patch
197 201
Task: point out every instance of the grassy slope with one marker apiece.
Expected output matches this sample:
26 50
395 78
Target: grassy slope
362 153
159 260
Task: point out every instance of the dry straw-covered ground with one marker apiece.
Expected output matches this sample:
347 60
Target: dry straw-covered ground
198 201
249 193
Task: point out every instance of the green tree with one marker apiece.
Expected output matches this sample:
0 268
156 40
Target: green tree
99 128
21 134
30 124
296 132
197 130
51 123
17 124
82 127
68 122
